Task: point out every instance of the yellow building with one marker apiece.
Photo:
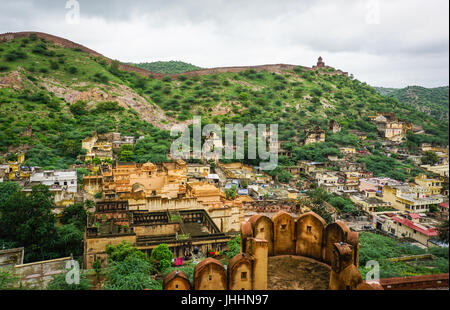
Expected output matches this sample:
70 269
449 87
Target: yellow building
434 186
347 150
441 170
97 146
407 226
409 198
314 136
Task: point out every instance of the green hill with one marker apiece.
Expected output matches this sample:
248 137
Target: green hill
168 67
433 101
65 94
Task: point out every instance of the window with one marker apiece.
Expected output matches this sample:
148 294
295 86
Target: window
210 277
308 229
176 285
243 275
283 226
261 229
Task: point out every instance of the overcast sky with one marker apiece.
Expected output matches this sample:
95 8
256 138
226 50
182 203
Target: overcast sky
391 43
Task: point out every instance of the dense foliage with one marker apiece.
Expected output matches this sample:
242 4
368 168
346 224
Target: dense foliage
28 220
433 101
295 100
129 269
169 67
381 248
234 247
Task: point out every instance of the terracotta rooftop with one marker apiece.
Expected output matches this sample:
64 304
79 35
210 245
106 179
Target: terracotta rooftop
174 274
416 227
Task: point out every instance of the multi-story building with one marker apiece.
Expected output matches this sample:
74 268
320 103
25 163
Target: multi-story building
369 203
441 170
376 184
309 167
407 226
185 232
98 146
329 181
409 198
197 172
314 136
118 140
433 185
62 183
349 180
390 127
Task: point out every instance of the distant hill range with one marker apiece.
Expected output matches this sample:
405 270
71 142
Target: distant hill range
432 101
167 67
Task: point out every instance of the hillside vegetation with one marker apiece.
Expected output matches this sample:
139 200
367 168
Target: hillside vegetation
433 101
66 94
373 247
168 67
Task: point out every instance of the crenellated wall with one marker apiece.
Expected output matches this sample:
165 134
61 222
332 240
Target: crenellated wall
309 236
245 271
69 44
262 237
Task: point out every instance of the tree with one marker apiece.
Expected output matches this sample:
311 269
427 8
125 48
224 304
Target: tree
97 265
79 108
234 247
230 193
69 240
29 221
126 153
114 67
121 251
6 190
96 161
443 232
133 273
162 252
74 214
59 283
429 158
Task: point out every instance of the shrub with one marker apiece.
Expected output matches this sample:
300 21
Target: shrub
72 70
15 55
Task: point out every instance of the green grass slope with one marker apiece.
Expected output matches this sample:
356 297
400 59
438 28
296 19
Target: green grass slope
65 94
167 67
433 101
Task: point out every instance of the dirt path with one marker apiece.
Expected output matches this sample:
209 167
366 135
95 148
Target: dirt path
289 272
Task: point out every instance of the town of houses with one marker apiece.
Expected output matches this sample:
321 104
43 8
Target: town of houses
186 205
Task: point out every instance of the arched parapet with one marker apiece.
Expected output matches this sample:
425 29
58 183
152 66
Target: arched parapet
262 227
309 231
344 274
176 280
246 233
334 233
210 274
283 234
353 240
240 273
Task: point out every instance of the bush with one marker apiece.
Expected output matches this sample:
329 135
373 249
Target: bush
15 55
59 283
72 70
234 247
79 108
122 251
162 252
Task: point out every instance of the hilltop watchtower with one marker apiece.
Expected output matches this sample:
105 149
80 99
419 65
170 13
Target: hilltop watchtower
320 63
